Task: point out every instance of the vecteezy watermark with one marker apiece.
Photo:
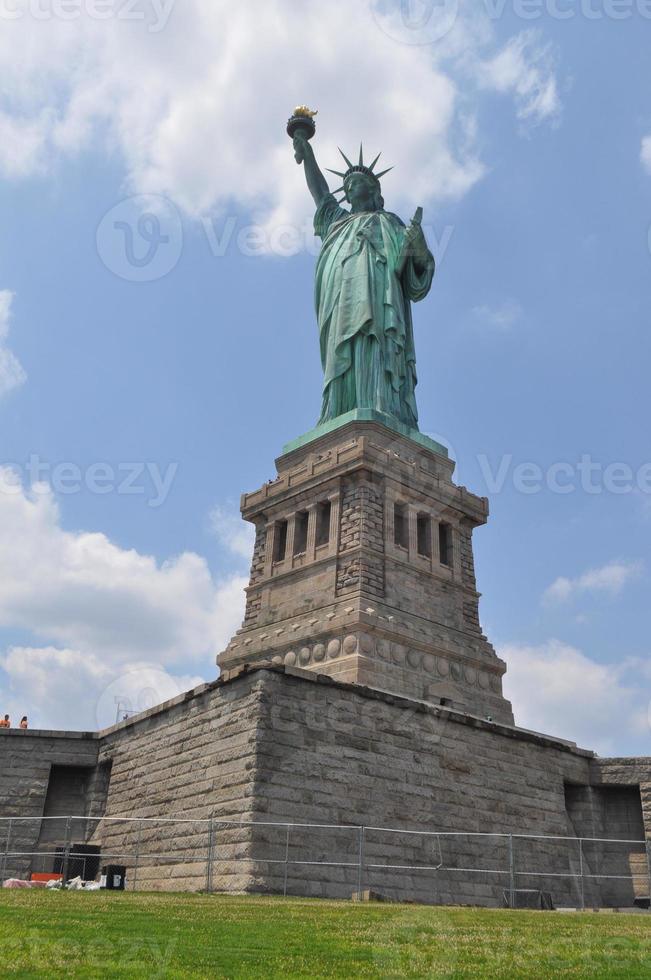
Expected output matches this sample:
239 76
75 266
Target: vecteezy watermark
32 952
145 479
427 21
135 691
155 14
141 238
568 9
285 240
585 475
415 21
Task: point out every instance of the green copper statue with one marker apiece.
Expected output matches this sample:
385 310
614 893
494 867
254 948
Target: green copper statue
370 268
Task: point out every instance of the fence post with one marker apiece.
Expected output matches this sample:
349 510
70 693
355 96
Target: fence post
511 873
581 873
648 864
209 854
135 867
66 853
6 854
286 860
360 864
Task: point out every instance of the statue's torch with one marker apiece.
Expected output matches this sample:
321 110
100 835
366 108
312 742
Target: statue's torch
302 121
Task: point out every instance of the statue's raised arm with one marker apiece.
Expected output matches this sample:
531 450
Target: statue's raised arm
370 269
316 182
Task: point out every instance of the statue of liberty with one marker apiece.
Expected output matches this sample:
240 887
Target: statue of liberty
370 268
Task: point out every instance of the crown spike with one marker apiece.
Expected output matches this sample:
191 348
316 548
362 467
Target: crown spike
361 155
338 191
345 157
383 172
375 161
338 173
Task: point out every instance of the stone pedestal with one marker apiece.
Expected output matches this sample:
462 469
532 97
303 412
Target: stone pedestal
363 570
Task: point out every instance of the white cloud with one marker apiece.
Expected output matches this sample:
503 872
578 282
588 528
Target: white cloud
23 143
67 689
12 374
525 67
83 591
645 154
197 109
557 690
503 317
610 579
96 611
236 535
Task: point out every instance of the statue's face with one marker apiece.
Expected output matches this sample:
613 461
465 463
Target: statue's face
360 192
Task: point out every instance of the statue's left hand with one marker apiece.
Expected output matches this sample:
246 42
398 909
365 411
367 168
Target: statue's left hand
415 243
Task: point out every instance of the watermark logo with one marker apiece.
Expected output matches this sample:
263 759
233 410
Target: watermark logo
133 692
584 475
287 240
428 21
531 10
416 21
141 238
155 14
144 479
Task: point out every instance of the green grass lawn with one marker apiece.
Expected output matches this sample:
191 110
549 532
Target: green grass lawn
104 934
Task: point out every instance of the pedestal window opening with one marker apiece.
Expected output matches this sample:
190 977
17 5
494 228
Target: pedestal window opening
300 532
323 512
445 544
400 526
424 535
280 541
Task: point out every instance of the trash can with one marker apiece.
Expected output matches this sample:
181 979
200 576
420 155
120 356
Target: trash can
113 877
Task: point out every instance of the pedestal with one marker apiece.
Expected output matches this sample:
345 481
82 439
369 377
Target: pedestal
363 570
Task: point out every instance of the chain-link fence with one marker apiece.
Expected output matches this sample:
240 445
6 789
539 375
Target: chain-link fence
334 861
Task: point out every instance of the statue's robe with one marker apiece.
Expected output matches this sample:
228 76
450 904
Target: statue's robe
364 313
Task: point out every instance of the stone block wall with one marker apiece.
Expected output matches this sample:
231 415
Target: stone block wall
26 760
271 746
339 754
254 598
191 761
623 787
361 560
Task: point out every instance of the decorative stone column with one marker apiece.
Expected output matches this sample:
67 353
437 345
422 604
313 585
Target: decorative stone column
310 550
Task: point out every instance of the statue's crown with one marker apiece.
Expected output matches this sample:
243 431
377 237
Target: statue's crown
358 168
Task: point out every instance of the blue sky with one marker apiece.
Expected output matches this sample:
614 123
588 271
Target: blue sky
525 142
